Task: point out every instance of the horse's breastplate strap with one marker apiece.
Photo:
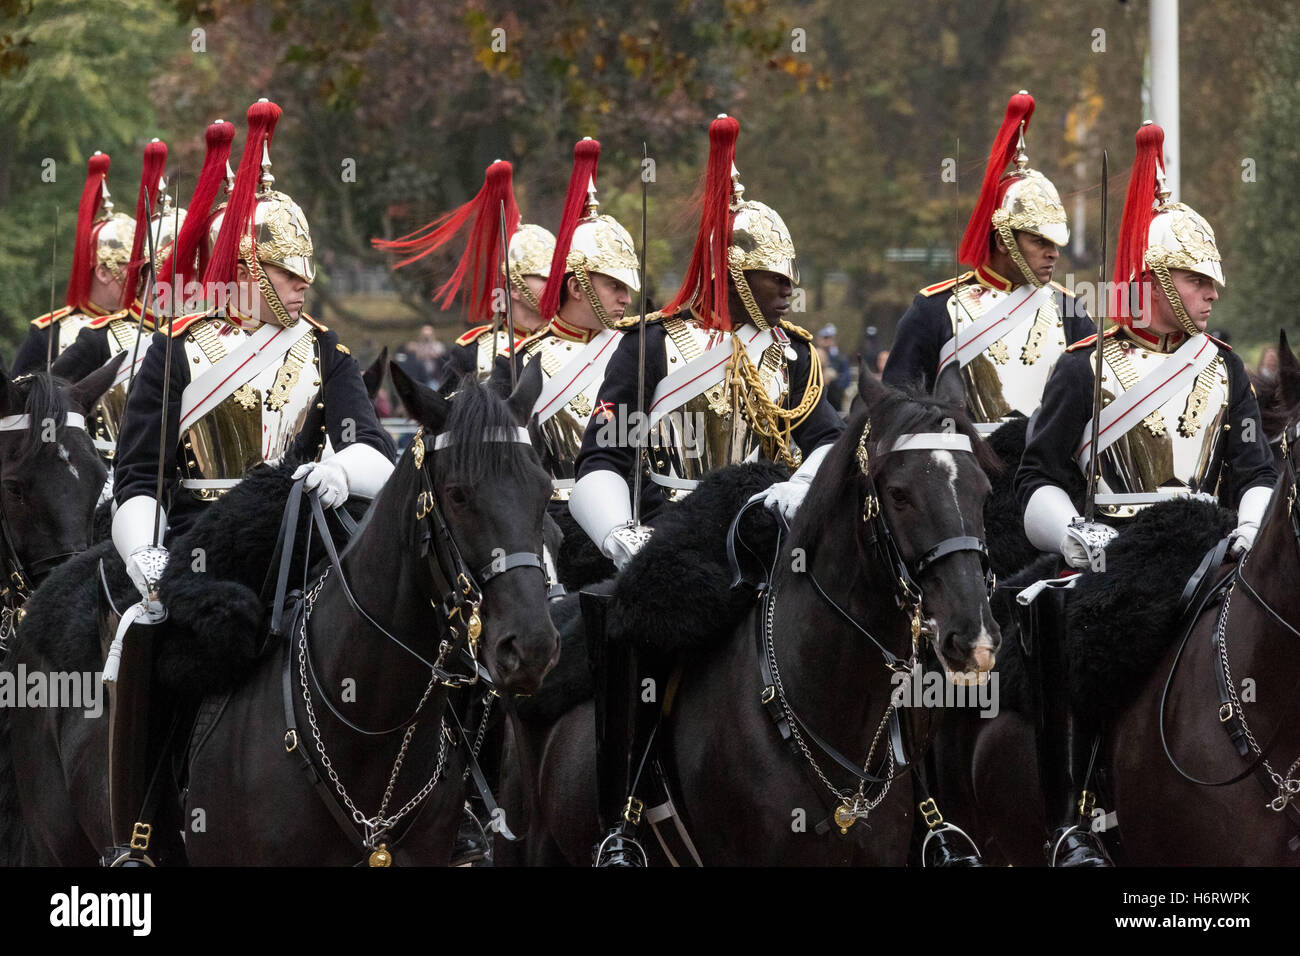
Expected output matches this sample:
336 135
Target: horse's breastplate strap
255 423
1009 375
562 432
1174 447
112 405
706 432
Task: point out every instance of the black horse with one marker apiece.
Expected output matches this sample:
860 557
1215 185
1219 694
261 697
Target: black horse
458 527
835 624
50 479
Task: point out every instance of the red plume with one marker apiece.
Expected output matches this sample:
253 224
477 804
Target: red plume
586 157
974 249
1134 223
705 282
482 256
155 160
83 247
238 222
194 231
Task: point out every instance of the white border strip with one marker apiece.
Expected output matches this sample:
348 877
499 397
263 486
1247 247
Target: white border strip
21 423
932 441
516 434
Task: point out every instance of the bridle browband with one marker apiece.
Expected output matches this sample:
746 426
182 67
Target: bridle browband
907 595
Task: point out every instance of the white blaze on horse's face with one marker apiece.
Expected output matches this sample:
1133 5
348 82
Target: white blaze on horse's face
947 463
67 460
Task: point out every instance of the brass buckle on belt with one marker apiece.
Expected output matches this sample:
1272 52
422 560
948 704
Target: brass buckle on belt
1225 713
769 693
290 741
930 812
1087 800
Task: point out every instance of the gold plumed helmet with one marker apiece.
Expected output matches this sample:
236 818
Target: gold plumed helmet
601 244
167 223
283 237
1180 238
759 237
530 253
114 232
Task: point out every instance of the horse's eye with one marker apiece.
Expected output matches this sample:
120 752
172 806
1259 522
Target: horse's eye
14 490
898 496
458 496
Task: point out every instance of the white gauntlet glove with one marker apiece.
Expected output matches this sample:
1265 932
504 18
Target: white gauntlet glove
326 478
1052 524
787 496
1084 542
1250 512
622 544
145 561
600 504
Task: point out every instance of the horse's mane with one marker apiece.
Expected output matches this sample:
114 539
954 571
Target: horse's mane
44 400
474 411
895 413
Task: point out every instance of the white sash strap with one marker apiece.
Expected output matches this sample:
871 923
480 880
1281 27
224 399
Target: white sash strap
1151 497
254 354
678 484
21 423
705 371
1154 389
584 369
1020 305
210 484
131 366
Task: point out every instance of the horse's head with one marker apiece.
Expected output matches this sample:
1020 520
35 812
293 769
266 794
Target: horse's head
492 493
51 475
1279 396
919 466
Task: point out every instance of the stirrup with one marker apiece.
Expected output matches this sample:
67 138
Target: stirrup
944 827
1087 838
123 856
472 842
617 854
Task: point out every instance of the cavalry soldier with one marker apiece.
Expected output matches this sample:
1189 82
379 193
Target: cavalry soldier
244 378
530 250
590 281
1002 326
101 252
726 377
1179 421
106 336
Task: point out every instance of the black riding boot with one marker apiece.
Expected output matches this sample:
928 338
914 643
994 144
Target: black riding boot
1065 756
943 844
473 842
625 731
128 753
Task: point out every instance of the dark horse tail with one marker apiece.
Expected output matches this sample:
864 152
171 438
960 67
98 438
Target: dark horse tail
11 820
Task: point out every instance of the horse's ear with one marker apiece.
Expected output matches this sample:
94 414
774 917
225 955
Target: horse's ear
83 395
11 399
374 375
870 388
499 381
524 397
422 403
949 390
1288 374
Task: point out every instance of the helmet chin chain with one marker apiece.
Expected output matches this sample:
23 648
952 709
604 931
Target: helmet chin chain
747 296
518 282
584 279
1175 300
1013 249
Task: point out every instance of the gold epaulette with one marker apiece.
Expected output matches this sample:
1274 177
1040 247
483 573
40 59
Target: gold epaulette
99 321
1091 340
313 323
634 321
183 322
43 321
473 334
1060 288
798 330
529 341
945 285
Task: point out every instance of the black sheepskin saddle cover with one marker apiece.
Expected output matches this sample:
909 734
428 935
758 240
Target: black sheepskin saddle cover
1120 622
217 620
1004 526
676 594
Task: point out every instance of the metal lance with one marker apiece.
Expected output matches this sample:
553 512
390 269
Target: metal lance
148 285
510 309
1094 462
167 379
640 358
49 336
